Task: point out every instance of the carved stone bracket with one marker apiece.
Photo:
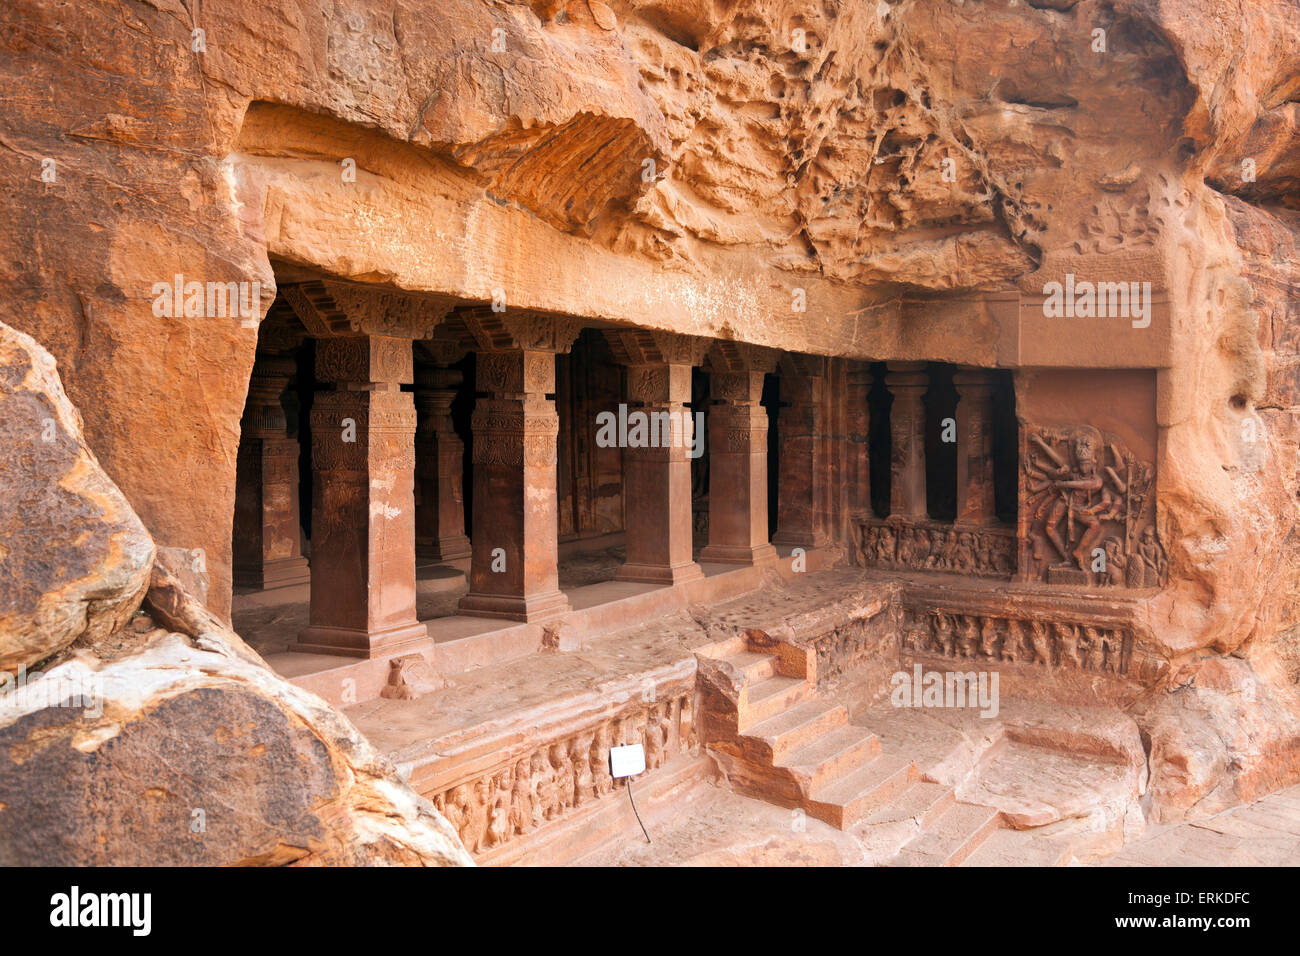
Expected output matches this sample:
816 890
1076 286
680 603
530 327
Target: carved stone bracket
803 366
518 330
328 308
726 356
651 347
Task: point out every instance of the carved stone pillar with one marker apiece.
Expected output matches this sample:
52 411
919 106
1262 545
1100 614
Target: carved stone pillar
657 480
803 496
363 507
975 501
737 452
268 535
859 471
439 466
514 571
907 382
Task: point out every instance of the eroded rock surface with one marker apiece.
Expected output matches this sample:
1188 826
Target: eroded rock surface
74 558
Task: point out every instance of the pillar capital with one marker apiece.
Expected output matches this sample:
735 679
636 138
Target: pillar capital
741 357
515 372
520 330
263 411
974 379
736 388
659 384
365 360
652 347
328 308
907 376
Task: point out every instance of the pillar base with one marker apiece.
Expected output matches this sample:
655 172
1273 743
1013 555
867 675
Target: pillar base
659 573
529 609
726 554
284 573
446 549
801 539
355 642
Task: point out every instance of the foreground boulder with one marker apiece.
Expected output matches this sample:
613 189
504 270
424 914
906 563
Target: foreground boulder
75 559
154 735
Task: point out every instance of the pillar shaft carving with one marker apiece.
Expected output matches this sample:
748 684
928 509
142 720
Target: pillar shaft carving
363 525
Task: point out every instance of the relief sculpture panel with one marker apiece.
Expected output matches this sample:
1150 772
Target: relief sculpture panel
1087 511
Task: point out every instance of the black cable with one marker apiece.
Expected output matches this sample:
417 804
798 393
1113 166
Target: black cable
634 810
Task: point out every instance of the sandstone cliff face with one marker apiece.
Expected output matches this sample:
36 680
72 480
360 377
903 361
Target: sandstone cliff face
135 728
711 157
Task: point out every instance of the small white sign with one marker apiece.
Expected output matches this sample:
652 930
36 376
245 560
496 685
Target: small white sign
627 761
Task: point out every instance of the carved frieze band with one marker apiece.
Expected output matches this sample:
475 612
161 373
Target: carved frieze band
557 778
933 546
850 644
515 433
1067 642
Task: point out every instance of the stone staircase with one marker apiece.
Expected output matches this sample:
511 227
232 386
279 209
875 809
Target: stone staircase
776 740
910 787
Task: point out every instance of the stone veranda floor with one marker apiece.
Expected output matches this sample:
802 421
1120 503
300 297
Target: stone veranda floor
711 826
1263 833
270 623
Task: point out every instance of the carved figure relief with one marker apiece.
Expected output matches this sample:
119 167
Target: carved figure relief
1096 648
1087 511
926 547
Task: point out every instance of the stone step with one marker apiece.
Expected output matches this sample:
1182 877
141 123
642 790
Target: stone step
835 753
951 838
1019 848
792 728
923 802
755 667
847 799
769 697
